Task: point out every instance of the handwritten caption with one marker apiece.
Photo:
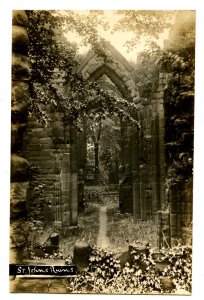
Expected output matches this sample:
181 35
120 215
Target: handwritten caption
32 270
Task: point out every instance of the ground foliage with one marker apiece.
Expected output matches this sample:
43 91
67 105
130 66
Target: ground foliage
105 274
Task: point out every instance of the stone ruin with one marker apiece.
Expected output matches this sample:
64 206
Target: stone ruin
59 153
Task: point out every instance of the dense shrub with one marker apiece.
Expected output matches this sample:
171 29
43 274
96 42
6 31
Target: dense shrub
141 276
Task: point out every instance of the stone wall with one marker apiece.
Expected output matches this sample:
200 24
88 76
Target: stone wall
19 165
143 152
142 169
175 224
52 149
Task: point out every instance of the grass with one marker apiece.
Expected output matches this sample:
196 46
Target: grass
87 230
122 229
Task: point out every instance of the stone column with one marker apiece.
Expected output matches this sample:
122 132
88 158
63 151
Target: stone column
136 174
125 189
74 181
175 196
163 229
187 212
161 131
155 166
181 213
19 229
65 179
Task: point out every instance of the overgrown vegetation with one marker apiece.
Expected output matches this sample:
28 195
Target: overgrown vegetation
48 51
105 274
123 227
179 61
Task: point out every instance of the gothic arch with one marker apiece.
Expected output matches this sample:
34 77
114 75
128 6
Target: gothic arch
119 71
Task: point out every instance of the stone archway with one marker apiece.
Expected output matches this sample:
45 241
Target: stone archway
141 166
119 71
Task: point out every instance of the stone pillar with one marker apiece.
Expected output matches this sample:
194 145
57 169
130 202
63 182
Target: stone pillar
161 131
136 174
65 179
181 213
163 229
74 185
69 179
19 229
187 213
125 187
155 166
175 195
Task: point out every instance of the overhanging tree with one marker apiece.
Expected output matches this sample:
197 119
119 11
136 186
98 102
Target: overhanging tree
49 49
48 52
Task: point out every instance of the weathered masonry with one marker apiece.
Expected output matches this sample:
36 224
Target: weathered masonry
142 153
19 229
61 156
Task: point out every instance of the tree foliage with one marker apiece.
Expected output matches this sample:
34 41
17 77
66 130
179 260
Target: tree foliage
179 61
49 51
147 71
145 24
104 148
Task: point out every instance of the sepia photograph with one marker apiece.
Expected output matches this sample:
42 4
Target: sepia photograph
102 147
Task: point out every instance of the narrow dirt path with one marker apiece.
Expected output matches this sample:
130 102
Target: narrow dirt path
103 240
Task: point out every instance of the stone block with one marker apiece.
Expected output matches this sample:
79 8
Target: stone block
112 66
34 148
81 255
19 169
19 112
38 130
34 140
19 230
19 18
18 197
45 141
48 164
20 67
20 40
160 267
20 92
167 284
160 95
17 131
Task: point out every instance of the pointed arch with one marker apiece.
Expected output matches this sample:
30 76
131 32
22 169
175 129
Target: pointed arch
119 71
